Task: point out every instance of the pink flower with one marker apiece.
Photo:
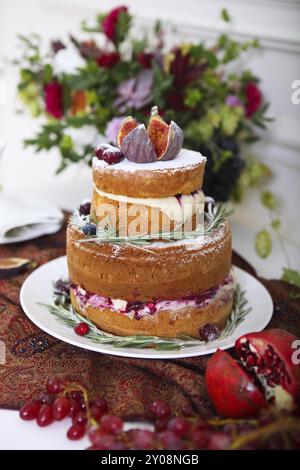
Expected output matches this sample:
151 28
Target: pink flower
112 129
110 22
135 92
233 100
54 99
253 99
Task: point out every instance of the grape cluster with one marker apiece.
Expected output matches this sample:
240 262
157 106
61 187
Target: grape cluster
183 431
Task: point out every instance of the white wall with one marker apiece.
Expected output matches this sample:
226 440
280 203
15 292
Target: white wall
275 22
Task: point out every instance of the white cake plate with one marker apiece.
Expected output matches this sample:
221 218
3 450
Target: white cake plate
38 289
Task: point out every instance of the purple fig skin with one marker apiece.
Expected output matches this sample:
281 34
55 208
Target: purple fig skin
137 146
10 267
175 142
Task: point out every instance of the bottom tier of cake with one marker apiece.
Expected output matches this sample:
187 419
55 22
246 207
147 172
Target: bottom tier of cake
163 318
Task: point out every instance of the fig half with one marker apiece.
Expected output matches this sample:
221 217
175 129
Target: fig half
167 140
137 146
126 127
268 356
231 390
13 266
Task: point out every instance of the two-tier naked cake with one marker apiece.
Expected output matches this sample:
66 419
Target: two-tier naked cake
140 259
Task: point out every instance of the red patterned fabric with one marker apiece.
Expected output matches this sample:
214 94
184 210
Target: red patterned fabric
129 385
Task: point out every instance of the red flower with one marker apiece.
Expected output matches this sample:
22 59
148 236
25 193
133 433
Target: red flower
54 99
145 59
184 70
253 98
108 59
110 22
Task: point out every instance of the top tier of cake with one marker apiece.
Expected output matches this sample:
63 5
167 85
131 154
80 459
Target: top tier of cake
183 175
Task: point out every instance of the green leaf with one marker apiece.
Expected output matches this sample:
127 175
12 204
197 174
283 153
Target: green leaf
225 15
48 73
292 276
263 243
276 224
268 199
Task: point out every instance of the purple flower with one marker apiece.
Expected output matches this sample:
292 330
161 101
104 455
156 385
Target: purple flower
112 129
233 100
135 92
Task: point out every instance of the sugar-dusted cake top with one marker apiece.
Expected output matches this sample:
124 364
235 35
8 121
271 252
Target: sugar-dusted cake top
185 158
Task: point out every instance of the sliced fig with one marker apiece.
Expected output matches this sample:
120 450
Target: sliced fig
126 127
137 146
13 266
175 142
167 140
158 131
268 356
231 390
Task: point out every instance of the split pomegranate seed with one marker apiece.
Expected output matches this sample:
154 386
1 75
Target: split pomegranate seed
61 408
45 416
111 424
82 329
30 411
54 386
76 431
160 409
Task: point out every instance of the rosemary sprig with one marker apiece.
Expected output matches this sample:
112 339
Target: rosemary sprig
108 233
68 316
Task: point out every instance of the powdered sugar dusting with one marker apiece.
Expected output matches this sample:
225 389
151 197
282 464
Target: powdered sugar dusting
184 159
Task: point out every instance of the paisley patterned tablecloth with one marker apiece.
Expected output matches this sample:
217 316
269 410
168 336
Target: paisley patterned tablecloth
129 385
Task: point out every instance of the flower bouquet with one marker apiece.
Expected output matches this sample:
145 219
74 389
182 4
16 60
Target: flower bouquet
84 88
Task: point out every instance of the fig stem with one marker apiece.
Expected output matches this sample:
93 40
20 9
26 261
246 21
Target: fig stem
282 425
154 110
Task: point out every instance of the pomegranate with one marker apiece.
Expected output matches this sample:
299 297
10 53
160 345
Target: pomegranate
267 356
232 391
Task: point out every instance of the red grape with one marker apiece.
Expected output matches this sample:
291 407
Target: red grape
54 386
45 416
76 431
80 418
61 408
160 409
179 426
111 423
30 411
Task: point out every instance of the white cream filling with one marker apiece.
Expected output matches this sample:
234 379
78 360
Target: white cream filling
178 209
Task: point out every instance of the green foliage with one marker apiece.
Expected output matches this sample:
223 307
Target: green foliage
291 276
225 15
263 243
268 199
200 77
